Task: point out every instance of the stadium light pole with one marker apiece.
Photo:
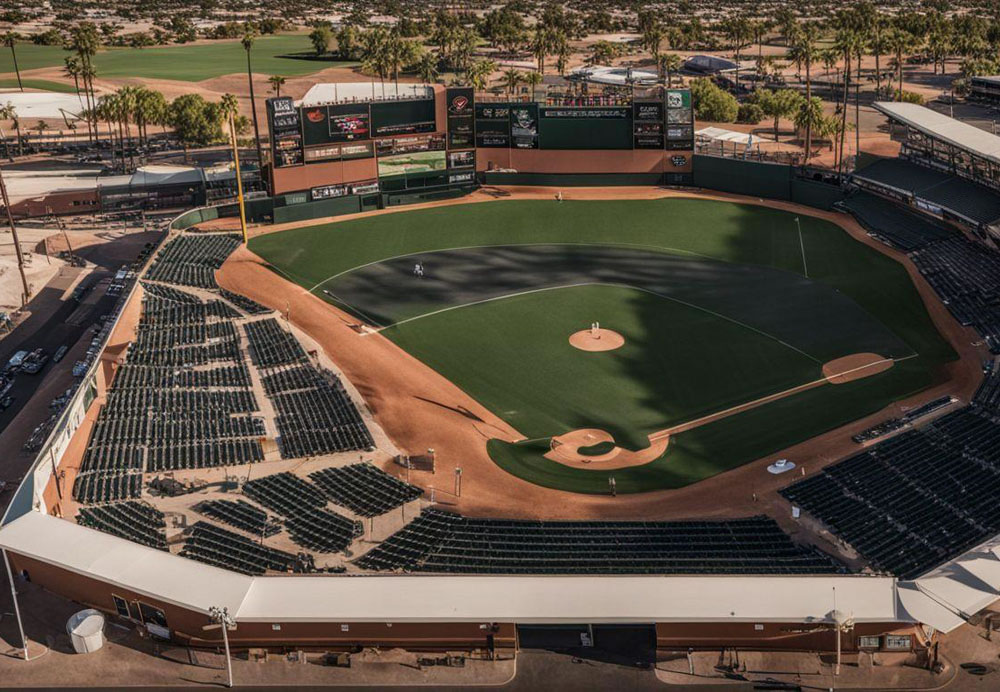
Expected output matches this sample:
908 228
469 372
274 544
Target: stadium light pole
17 244
17 610
224 621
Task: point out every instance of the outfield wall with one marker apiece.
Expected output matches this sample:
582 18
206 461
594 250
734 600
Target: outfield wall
758 179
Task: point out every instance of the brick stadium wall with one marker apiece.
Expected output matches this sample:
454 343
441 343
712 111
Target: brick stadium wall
316 174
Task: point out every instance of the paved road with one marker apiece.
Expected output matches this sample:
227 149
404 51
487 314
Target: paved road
48 328
536 670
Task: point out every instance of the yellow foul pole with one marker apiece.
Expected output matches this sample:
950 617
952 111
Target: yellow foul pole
239 179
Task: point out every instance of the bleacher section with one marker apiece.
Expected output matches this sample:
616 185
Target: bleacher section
966 275
251 307
240 514
303 506
441 542
364 489
315 415
987 396
217 546
892 224
183 398
916 500
136 521
192 260
270 345
897 177
322 530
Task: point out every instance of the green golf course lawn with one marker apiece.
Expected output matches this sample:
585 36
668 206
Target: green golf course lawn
188 63
41 84
680 360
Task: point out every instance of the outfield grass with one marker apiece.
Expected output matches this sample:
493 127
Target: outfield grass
42 84
509 353
189 63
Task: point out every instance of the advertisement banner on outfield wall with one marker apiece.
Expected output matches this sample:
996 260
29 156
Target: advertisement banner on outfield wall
492 125
461 117
647 125
524 126
679 119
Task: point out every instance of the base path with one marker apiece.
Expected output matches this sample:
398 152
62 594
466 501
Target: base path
603 340
855 367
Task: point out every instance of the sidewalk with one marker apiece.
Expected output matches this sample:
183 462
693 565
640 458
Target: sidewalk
871 672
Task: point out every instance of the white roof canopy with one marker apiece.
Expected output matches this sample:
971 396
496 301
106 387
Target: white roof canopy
938 125
350 92
358 598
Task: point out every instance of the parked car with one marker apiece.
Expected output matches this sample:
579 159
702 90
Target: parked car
15 361
34 363
60 352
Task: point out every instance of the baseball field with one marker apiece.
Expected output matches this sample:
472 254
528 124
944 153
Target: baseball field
281 55
730 317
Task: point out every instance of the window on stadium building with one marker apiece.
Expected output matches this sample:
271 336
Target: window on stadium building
869 642
897 641
121 605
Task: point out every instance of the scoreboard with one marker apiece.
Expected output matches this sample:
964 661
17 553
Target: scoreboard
662 124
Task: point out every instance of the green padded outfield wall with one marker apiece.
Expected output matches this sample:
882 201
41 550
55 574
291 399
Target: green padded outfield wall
315 210
770 180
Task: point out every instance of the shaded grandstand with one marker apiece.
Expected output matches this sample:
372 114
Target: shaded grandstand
438 541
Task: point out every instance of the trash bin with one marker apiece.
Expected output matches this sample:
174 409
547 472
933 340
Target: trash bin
86 631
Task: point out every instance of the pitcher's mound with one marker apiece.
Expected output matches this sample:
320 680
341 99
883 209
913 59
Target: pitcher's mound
605 340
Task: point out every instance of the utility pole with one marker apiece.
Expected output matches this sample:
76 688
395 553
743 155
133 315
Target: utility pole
17 244
17 610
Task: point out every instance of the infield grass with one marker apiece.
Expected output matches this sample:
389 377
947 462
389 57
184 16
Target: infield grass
273 55
512 354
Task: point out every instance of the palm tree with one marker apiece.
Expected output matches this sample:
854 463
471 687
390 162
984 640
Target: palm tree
738 32
848 42
84 41
510 80
150 107
10 40
249 37
72 69
669 63
479 74
540 45
229 108
810 118
652 40
427 68
277 81
803 50
900 41
533 79
9 112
